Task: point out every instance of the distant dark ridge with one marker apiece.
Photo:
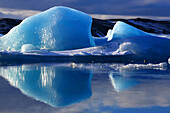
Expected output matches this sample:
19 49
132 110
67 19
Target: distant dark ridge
100 27
148 25
6 24
151 26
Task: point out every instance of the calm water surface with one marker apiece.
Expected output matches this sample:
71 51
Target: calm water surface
83 88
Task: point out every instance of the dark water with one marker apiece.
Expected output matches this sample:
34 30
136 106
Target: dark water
83 88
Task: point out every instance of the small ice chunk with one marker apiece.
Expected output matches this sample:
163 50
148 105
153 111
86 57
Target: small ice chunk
163 65
160 66
109 35
28 47
125 46
73 65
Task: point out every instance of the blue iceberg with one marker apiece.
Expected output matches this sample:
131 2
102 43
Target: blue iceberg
58 28
124 30
139 43
64 34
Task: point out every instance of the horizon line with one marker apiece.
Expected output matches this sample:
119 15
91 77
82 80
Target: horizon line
22 14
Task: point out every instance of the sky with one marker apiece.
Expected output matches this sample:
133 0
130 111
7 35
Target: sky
108 7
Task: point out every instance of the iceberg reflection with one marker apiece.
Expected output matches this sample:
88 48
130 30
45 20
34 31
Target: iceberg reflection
54 84
120 83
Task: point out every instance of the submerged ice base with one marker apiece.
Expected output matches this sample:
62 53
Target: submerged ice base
59 28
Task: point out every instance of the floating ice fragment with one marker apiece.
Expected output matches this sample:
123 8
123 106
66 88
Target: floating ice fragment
125 46
28 47
162 65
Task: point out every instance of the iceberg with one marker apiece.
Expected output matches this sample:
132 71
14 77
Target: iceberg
139 43
64 34
58 28
124 30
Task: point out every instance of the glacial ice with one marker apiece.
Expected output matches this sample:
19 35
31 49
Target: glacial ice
100 40
61 28
123 30
137 42
58 28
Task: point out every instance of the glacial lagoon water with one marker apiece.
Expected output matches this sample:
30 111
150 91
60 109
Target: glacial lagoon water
83 88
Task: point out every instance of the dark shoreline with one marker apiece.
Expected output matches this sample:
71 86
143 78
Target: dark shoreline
100 27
